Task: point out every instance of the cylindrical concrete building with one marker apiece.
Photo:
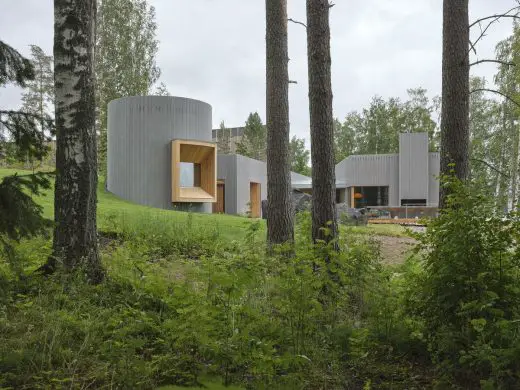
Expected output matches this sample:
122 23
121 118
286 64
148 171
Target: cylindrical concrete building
145 165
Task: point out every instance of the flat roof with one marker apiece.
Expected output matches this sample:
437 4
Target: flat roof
299 185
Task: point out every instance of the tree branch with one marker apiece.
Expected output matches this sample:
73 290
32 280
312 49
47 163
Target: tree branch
494 61
497 92
472 47
490 166
297 22
494 18
497 16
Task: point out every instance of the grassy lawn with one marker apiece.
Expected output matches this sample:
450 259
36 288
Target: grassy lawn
110 206
380 230
232 227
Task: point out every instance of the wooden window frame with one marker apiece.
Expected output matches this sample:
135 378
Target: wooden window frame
197 152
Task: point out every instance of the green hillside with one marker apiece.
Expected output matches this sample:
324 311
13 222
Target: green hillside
112 210
190 296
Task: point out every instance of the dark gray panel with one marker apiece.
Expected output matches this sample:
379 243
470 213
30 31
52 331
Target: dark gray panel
227 171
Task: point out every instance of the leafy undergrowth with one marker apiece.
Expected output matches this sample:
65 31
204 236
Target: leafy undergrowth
208 384
182 304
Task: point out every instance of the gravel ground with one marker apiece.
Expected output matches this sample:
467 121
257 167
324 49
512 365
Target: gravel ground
394 250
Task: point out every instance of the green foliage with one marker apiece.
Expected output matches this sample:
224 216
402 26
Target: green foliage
21 216
253 141
13 67
126 50
300 156
488 153
223 139
38 98
181 302
468 295
376 129
20 136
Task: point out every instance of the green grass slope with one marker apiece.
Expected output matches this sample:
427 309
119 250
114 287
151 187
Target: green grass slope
114 212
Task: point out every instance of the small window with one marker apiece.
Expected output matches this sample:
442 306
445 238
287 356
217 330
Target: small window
413 202
193 171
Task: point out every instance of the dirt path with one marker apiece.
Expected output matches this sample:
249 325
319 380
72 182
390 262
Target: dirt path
394 250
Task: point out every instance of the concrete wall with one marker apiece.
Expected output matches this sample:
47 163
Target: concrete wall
140 131
413 166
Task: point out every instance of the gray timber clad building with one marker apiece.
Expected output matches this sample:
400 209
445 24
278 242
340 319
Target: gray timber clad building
141 158
407 178
140 132
238 175
161 153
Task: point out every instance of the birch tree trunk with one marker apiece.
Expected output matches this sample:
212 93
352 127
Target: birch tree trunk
280 225
75 234
455 92
321 121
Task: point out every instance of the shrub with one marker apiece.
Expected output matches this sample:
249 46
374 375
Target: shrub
469 293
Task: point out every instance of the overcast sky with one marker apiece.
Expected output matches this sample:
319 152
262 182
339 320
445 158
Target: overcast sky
214 50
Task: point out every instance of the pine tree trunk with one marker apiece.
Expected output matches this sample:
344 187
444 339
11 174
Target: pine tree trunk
75 234
280 228
321 121
455 92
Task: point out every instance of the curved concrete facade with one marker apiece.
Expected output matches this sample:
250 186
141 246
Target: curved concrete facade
140 131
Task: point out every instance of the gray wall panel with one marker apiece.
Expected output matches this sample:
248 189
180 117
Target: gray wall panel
238 172
371 170
413 166
227 171
140 131
249 170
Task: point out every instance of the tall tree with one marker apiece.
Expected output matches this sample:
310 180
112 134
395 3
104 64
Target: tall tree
299 156
485 126
161 90
38 98
75 233
345 137
455 92
508 82
418 114
126 50
321 121
376 129
280 225
20 135
253 141
223 139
